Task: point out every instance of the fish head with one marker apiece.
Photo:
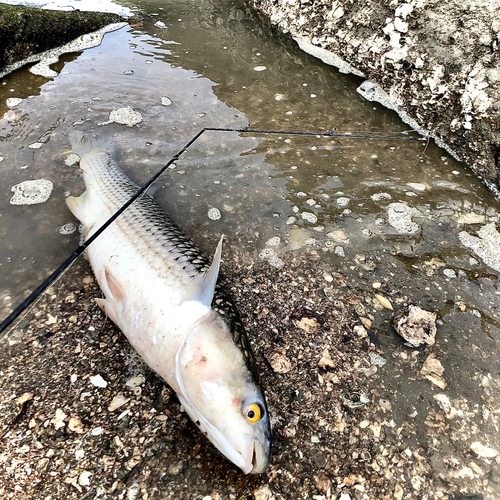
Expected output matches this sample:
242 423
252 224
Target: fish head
221 394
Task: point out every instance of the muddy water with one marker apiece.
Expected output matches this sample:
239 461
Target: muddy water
370 209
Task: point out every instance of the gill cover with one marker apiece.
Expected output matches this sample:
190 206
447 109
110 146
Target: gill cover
218 393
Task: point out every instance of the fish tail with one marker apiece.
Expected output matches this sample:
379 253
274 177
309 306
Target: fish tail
86 143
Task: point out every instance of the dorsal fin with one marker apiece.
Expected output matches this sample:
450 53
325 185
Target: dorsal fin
203 287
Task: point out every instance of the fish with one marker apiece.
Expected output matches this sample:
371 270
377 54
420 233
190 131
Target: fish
165 296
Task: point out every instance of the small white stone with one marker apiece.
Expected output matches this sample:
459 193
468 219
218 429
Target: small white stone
36 145
84 478
98 381
301 194
311 202
160 24
97 431
214 214
79 454
279 97
166 101
259 68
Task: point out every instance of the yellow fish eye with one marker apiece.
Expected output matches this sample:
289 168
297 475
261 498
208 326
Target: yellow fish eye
253 413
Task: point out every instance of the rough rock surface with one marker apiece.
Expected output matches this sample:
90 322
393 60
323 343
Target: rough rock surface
435 63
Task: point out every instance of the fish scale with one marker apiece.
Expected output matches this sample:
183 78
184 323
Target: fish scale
162 237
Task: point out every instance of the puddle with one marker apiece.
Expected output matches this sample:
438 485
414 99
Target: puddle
390 223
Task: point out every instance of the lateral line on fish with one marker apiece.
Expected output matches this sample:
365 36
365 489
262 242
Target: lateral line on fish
67 263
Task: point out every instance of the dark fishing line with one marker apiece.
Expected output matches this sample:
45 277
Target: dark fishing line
140 192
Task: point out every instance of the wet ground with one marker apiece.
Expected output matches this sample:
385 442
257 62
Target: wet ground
315 228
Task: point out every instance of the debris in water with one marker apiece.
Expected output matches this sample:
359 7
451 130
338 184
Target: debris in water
416 325
214 214
69 228
31 192
259 68
485 246
166 101
309 217
400 218
124 116
72 159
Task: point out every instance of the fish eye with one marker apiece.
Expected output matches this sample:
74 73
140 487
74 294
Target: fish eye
253 413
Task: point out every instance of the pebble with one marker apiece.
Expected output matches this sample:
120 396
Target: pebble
259 68
166 101
98 381
118 400
214 214
450 273
35 145
84 478
160 24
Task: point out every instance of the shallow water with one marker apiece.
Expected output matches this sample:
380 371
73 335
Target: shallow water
220 66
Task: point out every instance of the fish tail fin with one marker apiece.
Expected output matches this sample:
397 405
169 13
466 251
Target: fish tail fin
86 143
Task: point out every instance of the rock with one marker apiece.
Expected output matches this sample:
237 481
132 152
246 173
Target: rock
75 425
416 325
401 47
400 218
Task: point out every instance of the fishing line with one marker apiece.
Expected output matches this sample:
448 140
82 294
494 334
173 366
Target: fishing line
140 192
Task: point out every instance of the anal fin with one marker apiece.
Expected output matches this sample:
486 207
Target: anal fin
78 205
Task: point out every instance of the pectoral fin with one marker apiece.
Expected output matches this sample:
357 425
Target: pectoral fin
108 310
203 287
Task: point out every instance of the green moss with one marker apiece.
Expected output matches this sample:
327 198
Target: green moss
25 31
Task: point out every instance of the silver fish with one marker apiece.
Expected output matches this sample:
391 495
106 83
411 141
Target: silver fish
163 294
